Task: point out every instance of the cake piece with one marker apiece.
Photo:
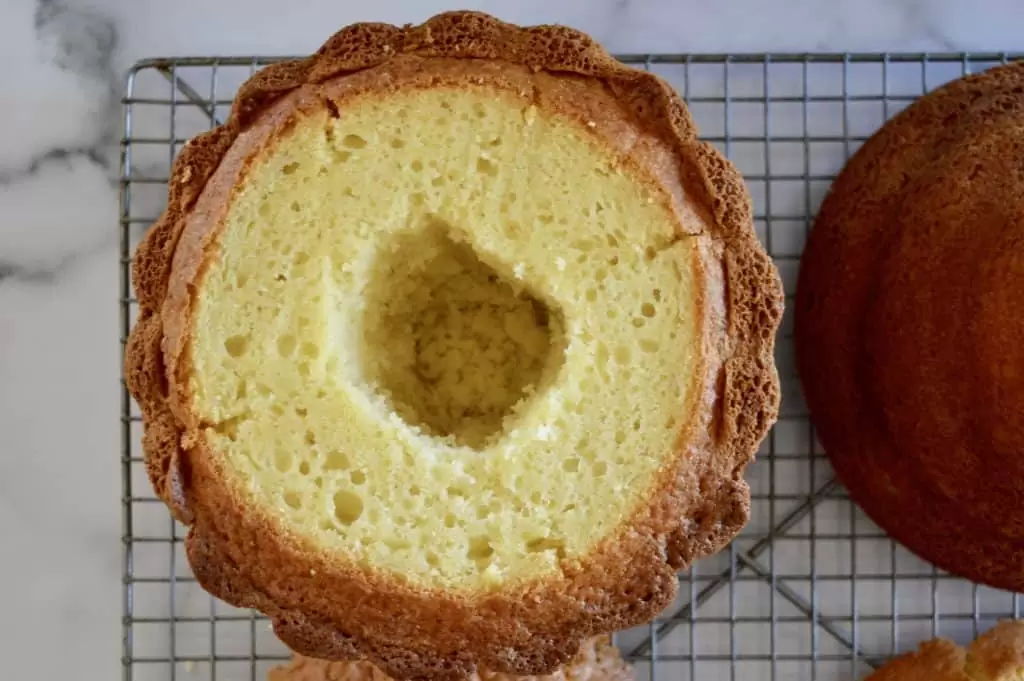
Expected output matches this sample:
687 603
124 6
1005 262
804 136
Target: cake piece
996 655
454 342
598 660
909 329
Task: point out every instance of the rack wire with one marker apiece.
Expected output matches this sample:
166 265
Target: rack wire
810 590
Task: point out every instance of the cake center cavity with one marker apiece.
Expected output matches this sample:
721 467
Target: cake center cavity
455 346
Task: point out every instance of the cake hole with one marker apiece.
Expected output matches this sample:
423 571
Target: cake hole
357 477
453 345
620 437
300 258
310 438
304 468
647 310
293 499
229 427
296 208
600 468
397 143
546 544
449 520
486 166
283 460
353 142
290 168
311 350
236 346
571 465
416 165
648 345
347 507
480 548
286 345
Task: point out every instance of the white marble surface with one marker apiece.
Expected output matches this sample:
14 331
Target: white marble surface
60 569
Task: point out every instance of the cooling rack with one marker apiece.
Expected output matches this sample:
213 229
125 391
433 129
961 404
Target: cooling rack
810 590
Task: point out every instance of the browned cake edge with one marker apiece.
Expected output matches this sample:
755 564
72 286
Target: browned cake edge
996 655
598 660
836 283
241 556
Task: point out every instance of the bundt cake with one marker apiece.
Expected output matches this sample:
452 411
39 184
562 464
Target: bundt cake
996 655
909 332
597 660
454 342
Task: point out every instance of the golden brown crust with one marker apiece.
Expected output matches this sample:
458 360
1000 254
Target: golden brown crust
936 660
996 655
701 502
908 327
598 660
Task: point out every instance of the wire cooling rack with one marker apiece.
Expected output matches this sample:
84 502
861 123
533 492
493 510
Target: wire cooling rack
810 590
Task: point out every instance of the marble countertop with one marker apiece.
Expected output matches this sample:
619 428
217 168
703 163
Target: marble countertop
59 125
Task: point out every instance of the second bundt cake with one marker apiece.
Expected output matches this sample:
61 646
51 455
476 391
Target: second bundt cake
909 332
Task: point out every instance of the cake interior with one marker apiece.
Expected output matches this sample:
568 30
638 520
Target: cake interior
447 335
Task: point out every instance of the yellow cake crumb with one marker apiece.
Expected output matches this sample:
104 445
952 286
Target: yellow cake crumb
438 351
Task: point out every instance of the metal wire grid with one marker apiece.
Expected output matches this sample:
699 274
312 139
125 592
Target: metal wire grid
810 590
